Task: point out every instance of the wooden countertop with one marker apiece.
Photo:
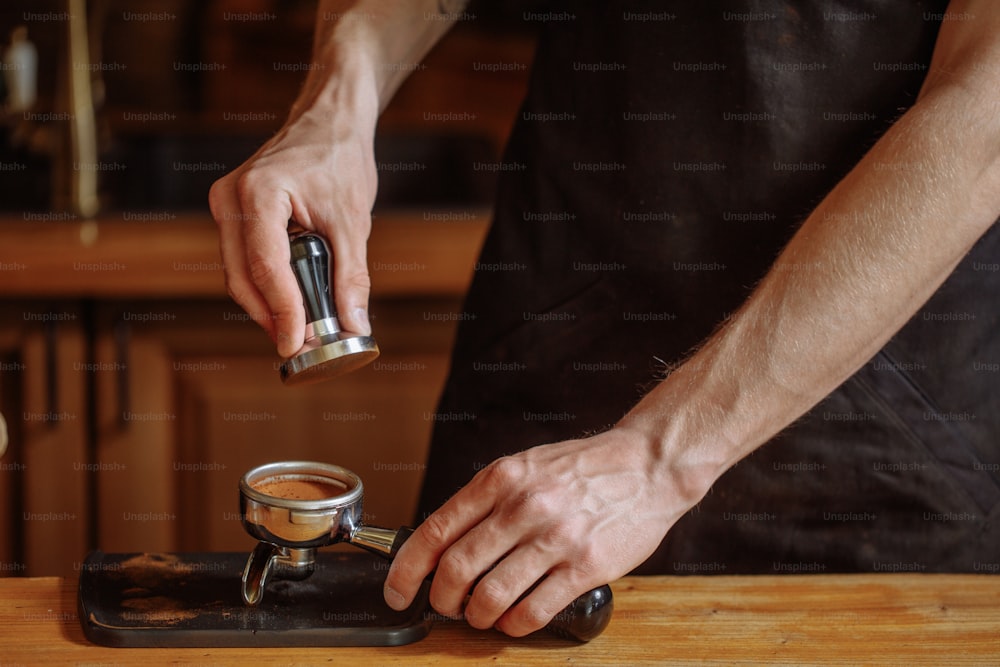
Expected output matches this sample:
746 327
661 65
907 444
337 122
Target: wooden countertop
176 255
899 619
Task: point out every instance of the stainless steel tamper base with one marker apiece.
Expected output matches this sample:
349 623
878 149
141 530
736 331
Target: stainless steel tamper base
328 351
327 356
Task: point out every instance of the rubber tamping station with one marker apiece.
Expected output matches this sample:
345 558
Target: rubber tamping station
328 350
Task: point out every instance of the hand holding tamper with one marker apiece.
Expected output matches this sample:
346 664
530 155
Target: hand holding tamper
328 351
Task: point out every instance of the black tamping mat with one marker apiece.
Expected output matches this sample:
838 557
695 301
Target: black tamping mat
193 600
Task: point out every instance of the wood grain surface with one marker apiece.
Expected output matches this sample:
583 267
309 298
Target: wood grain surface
896 619
178 257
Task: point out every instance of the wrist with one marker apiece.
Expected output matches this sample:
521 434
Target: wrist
687 433
684 472
341 88
374 43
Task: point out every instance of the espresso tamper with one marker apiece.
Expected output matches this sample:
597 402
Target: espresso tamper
328 351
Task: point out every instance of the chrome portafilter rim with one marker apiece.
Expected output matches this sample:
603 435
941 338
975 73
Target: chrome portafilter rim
303 471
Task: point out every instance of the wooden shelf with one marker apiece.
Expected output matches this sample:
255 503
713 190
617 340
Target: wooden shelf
128 255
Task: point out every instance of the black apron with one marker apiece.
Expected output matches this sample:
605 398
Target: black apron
665 154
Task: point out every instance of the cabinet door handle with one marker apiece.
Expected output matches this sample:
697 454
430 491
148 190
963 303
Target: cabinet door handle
3 435
122 335
52 373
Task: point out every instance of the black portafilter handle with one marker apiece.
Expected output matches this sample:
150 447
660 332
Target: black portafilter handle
583 619
310 261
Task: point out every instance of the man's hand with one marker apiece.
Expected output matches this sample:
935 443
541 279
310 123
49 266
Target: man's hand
319 170
321 175
573 515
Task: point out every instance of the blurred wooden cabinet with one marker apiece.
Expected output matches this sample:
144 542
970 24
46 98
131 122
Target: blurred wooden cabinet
133 417
192 399
43 396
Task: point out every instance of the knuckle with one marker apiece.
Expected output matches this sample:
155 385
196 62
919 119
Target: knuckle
537 613
256 190
360 280
525 618
586 569
356 280
453 565
249 182
261 269
504 472
492 596
562 533
216 199
589 560
434 531
542 509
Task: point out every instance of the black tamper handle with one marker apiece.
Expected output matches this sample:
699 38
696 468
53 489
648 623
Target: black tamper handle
310 261
583 619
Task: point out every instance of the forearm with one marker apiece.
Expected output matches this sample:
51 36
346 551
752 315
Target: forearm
370 47
860 266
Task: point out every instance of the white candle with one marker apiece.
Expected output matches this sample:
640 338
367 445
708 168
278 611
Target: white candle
20 70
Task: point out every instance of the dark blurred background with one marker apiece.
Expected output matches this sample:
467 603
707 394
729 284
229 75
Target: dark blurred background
122 358
196 82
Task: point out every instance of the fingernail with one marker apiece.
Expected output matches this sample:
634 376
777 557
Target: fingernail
394 599
361 317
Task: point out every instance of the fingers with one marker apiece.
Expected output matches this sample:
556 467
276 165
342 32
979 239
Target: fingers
465 583
532 582
438 534
502 587
553 594
461 566
351 281
265 234
556 520
253 210
470 534
421 553
228 216
254 248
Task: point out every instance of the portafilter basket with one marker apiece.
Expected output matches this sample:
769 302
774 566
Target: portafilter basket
291 529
